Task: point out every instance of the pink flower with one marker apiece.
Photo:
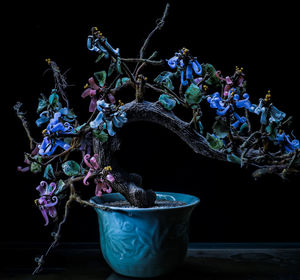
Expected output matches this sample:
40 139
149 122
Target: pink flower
102 186
92 163
91 91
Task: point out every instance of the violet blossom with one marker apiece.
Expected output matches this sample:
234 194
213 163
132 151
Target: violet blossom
91 92
47 200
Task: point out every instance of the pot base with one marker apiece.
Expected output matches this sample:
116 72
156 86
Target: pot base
144 242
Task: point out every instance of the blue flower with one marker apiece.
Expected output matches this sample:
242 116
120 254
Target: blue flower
98 43
288 144
110 116
187 65
54 130
244 103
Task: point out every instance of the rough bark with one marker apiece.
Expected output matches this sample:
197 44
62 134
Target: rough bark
130 184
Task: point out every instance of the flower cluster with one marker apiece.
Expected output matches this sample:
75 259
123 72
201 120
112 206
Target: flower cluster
227 96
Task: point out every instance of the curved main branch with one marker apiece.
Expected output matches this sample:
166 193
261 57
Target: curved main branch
153 112
130 184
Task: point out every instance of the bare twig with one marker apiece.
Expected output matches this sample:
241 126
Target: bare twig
57 235
21 116
159 24
148 61
144 63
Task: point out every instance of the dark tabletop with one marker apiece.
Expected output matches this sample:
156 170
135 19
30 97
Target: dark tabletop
205 261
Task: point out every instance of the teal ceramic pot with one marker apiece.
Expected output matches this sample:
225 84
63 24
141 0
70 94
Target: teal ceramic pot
144 242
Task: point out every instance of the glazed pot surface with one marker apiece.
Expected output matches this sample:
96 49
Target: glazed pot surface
144 242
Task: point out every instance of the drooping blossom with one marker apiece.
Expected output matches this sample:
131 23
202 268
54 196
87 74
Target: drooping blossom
47 200
91 91
102 186
92 163
27 161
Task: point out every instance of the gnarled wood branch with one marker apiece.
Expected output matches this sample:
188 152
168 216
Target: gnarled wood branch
129 184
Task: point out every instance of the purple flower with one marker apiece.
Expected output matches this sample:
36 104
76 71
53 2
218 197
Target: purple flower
91 92
47 200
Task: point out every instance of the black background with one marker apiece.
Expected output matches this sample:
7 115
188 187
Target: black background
234 207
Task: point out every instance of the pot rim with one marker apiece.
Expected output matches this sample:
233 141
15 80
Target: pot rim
162 194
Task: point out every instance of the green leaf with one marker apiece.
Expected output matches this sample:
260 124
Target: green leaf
100 56
60 186
49 173
35 167
101 77
233 158
193 95
211 71
220 128
100 135
71 168
214 142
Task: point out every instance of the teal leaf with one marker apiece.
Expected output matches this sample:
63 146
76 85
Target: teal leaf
214 142
111 68
101 77
100 135
71 168
60 186
164 79
121 81
54 99
78 128
272 130
167 102
244 129
42 105
49 173
200 125
118 65
233 158
193 95
220 128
